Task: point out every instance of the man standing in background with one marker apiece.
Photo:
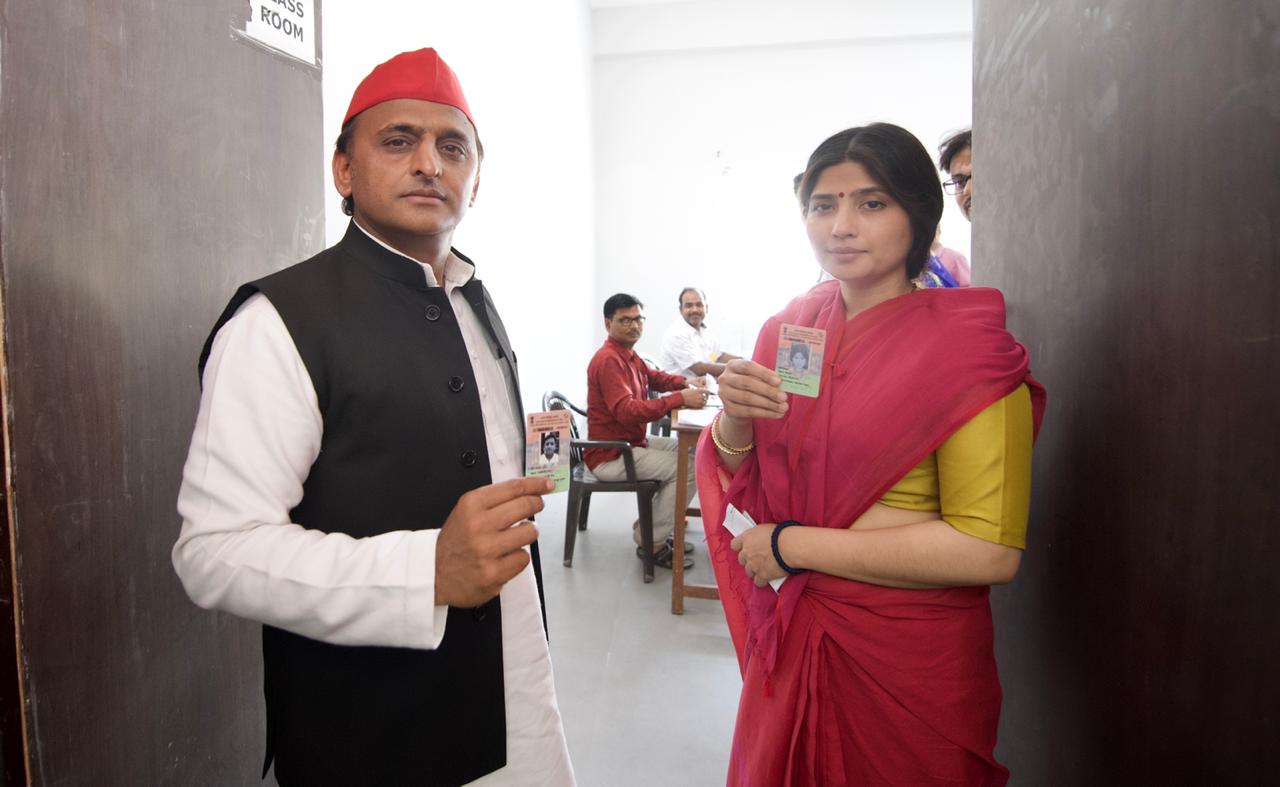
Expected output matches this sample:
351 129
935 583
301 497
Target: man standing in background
955 157
354 481
689 347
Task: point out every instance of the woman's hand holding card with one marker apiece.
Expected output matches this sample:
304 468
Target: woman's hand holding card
749 390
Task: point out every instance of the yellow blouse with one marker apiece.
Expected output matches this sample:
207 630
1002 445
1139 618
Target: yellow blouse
980 478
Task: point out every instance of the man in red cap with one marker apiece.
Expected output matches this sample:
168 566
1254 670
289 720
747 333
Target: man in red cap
355 479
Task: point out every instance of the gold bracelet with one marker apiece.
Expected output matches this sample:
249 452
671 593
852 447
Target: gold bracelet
724 447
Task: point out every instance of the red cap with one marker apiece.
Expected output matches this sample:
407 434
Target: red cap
421 75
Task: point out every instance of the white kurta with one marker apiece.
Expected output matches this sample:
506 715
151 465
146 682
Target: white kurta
257 433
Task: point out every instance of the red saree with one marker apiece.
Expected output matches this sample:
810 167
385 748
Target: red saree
846 682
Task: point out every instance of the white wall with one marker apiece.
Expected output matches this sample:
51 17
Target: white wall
705 111
526 70
675 168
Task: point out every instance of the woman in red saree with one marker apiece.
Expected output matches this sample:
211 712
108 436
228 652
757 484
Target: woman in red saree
890 502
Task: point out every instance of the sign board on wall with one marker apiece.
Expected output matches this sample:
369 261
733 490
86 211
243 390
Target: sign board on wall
284 25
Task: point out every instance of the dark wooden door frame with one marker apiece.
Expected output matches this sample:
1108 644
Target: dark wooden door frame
13 726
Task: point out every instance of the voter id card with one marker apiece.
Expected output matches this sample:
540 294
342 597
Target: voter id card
546 447
799 361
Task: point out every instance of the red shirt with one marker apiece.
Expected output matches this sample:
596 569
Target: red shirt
618 403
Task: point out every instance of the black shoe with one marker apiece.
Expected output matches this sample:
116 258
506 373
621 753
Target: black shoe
671 542
663 557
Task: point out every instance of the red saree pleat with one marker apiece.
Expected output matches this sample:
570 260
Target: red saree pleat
846 682
874 686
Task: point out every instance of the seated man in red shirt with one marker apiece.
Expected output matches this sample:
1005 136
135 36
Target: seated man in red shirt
619 408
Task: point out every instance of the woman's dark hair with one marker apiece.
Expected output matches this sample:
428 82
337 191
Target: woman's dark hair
344 142
897 161
620 301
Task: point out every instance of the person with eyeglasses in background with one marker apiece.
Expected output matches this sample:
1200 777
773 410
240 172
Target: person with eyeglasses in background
619 408
948 267
955 157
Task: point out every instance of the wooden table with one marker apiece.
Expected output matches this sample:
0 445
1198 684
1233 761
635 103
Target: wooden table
687 435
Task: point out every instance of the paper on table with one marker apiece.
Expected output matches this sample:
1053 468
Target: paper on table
739 522
701 417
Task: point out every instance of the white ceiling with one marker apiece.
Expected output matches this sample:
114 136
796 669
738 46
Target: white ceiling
625 3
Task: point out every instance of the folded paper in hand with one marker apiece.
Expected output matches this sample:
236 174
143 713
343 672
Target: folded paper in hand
739 522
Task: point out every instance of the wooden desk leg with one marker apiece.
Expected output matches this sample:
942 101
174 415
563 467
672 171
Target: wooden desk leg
681 520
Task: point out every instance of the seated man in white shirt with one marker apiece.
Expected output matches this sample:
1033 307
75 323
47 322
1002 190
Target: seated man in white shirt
688 346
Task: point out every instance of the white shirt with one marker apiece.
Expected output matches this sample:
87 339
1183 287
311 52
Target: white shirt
257 434
683 346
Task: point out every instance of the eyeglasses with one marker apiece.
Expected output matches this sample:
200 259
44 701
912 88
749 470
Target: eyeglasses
627 322
956 184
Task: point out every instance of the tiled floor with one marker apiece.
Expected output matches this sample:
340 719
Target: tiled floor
648 698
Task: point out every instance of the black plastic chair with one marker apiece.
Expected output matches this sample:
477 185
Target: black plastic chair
582 484
662 426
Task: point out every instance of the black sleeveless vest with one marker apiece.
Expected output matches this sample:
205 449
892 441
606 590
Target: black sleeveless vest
403 439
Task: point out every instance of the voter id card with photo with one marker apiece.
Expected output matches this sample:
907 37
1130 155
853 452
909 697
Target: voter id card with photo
546 447
799 361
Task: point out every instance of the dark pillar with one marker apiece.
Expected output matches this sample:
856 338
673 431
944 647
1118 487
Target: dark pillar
1127 174
151 161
